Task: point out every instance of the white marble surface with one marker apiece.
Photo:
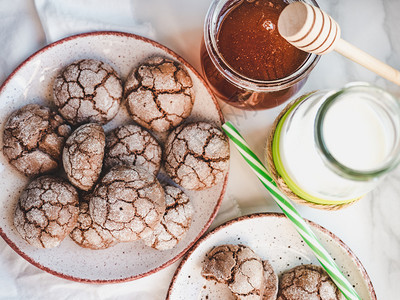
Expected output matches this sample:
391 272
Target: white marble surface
371 227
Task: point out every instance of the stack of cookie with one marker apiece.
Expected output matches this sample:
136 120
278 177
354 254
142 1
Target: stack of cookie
243 271
249 277
104 188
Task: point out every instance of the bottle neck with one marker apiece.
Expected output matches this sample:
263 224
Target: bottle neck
357 131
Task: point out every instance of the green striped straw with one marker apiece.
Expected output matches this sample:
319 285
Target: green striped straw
290 211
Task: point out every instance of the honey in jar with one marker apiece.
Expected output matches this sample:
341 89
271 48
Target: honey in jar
245 60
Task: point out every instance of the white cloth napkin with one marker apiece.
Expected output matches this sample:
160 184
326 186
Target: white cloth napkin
62 18
20 34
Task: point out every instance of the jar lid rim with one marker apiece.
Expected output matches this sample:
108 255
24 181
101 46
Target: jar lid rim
329 99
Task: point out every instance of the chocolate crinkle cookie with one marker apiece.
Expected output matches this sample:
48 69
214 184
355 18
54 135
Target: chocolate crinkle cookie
33 139
88 90
175 222
46 212
133 146
83 155
307 282
129 202
88 234
196 155
159 94
245 274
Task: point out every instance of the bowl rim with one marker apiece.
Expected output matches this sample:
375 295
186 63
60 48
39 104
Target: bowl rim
221 118
280 216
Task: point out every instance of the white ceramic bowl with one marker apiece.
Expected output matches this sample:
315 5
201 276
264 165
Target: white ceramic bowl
272 236
32 82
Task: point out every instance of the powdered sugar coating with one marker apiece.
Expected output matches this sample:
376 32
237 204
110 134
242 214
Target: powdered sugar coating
129 202
196 155
88 90
88 234
126 261
159 94
33 139
133 146
175 222
83 155
245 274
271 282
46 212
307 282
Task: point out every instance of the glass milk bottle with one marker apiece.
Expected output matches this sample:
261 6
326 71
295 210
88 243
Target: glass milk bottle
334 147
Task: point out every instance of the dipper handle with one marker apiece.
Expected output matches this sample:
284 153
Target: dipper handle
310 29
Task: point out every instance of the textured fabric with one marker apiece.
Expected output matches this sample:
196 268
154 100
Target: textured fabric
64 18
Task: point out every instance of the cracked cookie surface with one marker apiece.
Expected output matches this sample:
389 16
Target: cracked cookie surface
175 222
46 212
133 146
83 155
271 282
196 155
129 202
33 139
88 90
159 94
245 274
88 234
307 282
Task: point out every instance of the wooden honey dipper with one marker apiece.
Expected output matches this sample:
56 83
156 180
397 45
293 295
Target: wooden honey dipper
310 29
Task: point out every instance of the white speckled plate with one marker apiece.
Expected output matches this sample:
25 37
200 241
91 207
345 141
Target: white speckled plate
32 82
272 237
